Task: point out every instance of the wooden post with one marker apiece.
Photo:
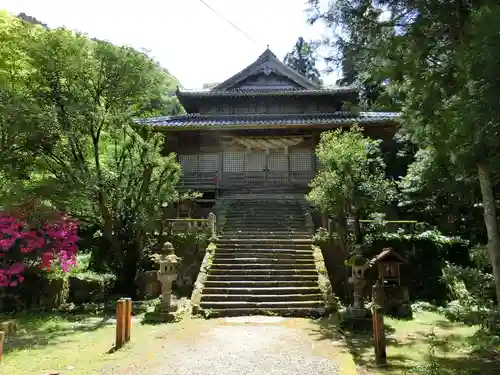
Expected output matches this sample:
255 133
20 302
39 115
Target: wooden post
128 318
120 323
213 223
2 337
378 325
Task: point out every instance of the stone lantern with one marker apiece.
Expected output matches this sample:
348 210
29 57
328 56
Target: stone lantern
169 263
357 279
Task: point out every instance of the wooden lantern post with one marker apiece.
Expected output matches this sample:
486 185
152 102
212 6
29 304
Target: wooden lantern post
378 325
123 321
128 318
2 338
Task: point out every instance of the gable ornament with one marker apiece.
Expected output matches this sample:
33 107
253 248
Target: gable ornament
267 70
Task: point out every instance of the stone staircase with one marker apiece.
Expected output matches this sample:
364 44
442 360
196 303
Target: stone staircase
263 263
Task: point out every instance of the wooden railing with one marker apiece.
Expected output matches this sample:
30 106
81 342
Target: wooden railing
265 177
211 181
210 223
205 181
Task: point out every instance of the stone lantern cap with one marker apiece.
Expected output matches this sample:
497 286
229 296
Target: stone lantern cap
167 249
168 254
172 259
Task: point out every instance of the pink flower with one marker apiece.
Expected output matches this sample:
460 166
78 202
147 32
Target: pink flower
54 241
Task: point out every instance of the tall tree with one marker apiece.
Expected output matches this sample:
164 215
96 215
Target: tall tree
302 58
351 182
85 157
441 59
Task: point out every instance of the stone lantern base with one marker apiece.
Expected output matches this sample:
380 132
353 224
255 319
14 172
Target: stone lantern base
357 318
164 313
160 317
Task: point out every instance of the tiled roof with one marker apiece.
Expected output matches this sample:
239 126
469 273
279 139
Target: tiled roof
267 61
309 119
267 91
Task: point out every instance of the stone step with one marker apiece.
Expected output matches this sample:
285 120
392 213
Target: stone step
262 305
266 284
264 227
250 262
270 245
241 217
262 254
304 312
260 297
259 240
267 265
253 206
269 236
270 207
267 219
264 219
263 251
257 220
309 276
300 290
263 233
274 272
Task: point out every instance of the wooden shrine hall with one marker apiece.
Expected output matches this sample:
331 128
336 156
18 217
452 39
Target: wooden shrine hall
257 131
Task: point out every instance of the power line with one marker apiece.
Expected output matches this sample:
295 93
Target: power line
232 24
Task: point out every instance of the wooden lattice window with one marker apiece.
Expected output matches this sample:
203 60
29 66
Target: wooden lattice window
234 161
189 163
390 270
207 162
255 161
277 161
301 160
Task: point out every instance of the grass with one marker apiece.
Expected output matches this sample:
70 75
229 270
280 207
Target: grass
455 346
80 344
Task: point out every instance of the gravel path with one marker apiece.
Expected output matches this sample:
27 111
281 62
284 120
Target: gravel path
247 346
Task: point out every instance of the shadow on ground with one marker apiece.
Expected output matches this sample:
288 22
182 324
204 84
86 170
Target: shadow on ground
43 329
402 352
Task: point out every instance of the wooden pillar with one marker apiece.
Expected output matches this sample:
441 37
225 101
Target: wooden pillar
289 178
120 323
128 318
378 325
313 153
2 338
220 167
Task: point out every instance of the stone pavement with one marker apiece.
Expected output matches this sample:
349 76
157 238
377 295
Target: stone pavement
249 346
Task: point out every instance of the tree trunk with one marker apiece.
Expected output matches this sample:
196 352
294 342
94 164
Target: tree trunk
358 234
490 220
343 234
127 274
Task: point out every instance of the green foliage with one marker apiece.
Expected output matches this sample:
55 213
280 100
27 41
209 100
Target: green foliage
439 60
69 102
432 367
439 193
351 179
472 292
303 60
426 252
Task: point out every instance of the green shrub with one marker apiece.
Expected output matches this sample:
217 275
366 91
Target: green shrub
190 246
90 287
427 254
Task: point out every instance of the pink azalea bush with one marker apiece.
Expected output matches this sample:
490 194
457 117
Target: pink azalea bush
49 241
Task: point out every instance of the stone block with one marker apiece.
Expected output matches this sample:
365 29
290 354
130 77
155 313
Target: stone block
148 284
9 327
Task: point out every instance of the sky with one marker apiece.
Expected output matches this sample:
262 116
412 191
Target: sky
187 38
